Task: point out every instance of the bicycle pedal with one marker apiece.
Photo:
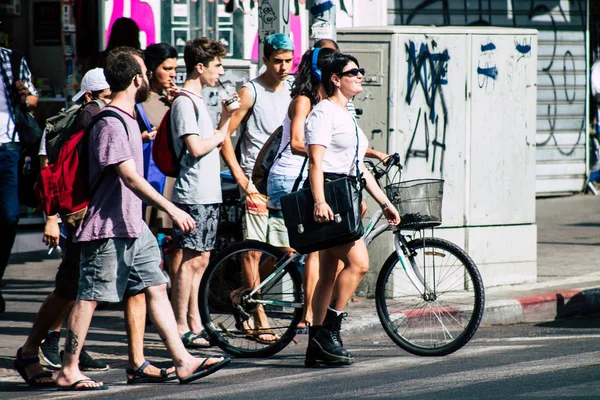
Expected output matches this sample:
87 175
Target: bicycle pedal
225 331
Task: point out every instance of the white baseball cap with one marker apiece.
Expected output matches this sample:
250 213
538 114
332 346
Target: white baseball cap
93 81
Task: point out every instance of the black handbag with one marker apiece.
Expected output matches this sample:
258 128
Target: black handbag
343 196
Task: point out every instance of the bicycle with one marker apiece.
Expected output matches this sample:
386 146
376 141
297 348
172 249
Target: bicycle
429 293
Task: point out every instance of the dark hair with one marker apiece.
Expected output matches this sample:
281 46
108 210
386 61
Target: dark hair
326 43
334 64
124 32
97 93
157 53
303 83
202 51
121 67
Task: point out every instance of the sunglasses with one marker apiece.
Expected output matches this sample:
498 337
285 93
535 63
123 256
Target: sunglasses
352 72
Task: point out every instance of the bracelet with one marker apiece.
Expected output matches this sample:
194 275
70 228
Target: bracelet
385 205
319 203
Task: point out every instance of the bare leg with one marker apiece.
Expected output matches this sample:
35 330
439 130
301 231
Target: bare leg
251 278
336 285
194 320
60 320
324 286
50 312
356 260
250 274
182 288
175 263
135 325
79 324
310 277
163 319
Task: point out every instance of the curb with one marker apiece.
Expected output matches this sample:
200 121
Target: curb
537 308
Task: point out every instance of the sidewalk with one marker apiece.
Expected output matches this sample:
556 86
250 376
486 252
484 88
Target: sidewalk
568 284
568 270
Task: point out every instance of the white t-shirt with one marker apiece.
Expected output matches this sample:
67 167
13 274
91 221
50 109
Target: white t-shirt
199 180
288 163
335 129
7 126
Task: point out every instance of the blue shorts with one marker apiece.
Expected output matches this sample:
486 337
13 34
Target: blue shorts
280 185
109 267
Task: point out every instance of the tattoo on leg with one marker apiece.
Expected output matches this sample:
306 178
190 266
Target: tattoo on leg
71 343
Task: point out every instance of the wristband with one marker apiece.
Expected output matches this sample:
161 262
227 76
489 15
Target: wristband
319 203
385 205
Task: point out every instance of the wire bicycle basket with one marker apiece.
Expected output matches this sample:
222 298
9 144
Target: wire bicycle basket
418 201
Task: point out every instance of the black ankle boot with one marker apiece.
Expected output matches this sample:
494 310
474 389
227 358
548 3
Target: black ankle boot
333 322
324 349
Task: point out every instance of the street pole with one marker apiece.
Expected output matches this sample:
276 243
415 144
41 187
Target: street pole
321 20
273 17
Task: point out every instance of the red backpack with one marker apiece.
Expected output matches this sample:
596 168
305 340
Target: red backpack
63 187
163 148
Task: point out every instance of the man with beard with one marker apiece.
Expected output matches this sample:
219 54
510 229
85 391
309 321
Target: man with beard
118 250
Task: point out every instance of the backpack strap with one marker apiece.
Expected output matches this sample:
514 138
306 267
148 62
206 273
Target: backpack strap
238 145
197 112
142 114
98 117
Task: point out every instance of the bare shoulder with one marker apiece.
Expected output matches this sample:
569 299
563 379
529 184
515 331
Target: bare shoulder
300 107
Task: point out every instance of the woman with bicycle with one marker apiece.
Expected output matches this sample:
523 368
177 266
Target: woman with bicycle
307 92
331 140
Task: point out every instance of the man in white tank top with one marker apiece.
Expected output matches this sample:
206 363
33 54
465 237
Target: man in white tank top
264 104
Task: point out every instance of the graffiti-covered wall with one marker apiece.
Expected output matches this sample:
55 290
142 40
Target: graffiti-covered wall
562 72
459 104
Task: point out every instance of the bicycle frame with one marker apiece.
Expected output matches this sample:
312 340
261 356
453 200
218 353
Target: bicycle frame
372 231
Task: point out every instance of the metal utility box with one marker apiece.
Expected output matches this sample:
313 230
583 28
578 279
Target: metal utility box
458 103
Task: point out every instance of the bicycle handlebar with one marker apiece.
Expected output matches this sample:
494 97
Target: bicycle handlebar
378 173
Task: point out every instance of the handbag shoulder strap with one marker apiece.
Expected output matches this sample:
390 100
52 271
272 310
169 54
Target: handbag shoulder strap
356 153
299 178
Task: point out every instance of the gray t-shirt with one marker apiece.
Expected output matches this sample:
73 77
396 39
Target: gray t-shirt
268 113
114 210
199 180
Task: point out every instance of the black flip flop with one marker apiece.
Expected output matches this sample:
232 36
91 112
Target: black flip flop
20 363
139 376
74 388
201 372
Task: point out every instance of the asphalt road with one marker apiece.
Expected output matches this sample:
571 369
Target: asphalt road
553 360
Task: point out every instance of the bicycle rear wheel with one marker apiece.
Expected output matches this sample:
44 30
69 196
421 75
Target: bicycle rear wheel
239 322
434 308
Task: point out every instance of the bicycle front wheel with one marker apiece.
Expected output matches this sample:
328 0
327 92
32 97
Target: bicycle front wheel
245 324
430 303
